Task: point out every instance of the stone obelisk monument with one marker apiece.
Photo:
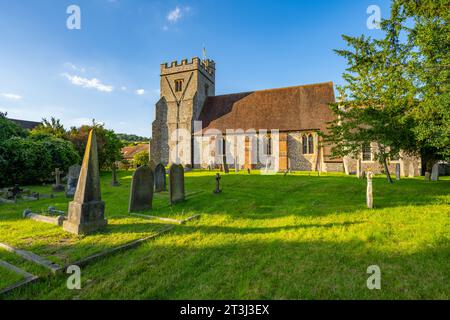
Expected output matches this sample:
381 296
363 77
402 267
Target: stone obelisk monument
87 210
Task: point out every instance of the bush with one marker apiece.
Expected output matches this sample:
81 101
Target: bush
30 160
141 158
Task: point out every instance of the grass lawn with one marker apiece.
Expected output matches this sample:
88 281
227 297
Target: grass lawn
263 237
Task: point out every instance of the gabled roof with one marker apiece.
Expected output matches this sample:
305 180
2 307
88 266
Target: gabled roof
286 109
129 152
25 124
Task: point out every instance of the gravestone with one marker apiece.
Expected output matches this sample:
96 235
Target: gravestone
57 186
397 171
141 193
160 178
87 211
114 181
411 170
217 190
72 180
176 183
427 176
369 194
226 169
248 170
435 172
14 192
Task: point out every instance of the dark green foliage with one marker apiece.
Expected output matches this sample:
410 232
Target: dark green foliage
132 138
9 128
28 160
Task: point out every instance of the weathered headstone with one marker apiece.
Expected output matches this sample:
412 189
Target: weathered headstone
217 190
58 220
14 192
427 176
141 193
72 180
248 170
176 183
87 210
114 181
369 194
226 169
397 171
411 172
160 178
435 172
57 186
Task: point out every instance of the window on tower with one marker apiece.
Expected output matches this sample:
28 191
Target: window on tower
178 85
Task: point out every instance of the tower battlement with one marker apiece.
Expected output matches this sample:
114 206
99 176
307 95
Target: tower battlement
207 66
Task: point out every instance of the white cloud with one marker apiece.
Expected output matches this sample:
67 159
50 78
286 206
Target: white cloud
88 83
11 96
123 88
174 15
140 92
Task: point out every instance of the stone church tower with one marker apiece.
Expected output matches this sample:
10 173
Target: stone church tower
184 88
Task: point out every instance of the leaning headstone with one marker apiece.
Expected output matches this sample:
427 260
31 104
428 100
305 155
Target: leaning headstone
369 194
57 186
114 181
160 178
435 172
87 210
72 180
217 190
397 171
176 183
141 193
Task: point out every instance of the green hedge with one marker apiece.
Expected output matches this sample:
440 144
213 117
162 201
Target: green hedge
32 160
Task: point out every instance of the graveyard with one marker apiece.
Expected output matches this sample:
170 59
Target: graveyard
293 236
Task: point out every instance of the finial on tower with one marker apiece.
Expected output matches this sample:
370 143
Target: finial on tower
204 53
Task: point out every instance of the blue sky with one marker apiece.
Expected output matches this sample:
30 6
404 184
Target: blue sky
109 70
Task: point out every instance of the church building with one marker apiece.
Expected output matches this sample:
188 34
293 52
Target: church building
296 113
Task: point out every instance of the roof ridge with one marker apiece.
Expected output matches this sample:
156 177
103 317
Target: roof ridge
275 89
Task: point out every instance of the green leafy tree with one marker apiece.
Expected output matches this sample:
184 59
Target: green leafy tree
396 92
9 128
141 158
108 144
52 127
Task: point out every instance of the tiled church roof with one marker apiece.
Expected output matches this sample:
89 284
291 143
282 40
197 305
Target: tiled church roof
25 124
287 109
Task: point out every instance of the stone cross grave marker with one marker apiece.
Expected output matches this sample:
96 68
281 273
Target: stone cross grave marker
176 183
160 178
58 186
72 180
369 194
218 190
87 211
397 171
141 193
435 172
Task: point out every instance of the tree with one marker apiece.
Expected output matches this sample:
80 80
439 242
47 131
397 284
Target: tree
52 127
141 158
397 90
430 70
9 128
373 101
108 144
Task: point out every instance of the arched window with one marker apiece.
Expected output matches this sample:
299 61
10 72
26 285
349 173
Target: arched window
267 145
304 144
310 144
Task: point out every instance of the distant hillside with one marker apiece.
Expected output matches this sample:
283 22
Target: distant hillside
132 138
